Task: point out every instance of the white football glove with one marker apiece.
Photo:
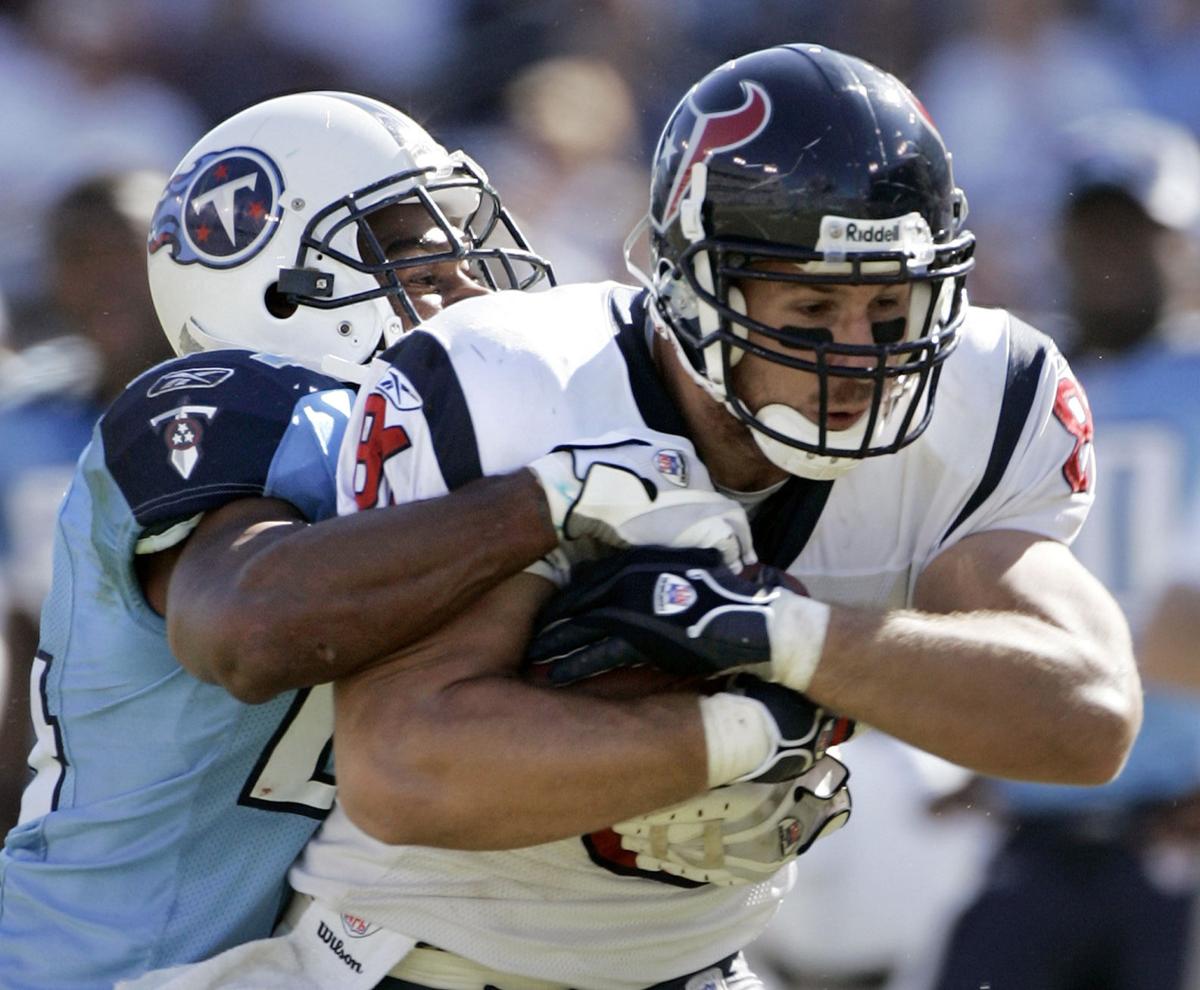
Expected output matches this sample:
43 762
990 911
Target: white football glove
630 491
743 833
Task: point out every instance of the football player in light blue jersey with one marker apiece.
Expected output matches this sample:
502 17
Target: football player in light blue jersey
167 803
184 747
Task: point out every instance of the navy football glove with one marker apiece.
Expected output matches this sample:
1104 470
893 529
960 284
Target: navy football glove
678 610
682 611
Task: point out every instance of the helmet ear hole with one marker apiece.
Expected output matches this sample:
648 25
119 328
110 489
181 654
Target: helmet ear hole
278 305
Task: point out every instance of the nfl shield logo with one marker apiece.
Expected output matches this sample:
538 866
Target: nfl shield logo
673 595
790 835
672 465
357 927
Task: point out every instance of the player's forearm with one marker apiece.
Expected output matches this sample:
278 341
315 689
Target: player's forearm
341 594
1003 693
494 763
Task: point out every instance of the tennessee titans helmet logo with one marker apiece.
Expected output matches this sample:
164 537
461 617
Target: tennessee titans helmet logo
221 211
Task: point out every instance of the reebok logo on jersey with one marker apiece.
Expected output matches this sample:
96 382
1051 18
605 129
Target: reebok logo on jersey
357 927
337 946
398 392
182 430
673 595
172 381
672 465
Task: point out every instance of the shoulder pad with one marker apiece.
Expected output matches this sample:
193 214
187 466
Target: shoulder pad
199 431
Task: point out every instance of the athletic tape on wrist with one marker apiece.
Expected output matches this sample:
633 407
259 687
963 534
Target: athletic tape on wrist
797 627
738 733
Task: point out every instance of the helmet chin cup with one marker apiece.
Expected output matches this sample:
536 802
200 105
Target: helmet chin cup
794 460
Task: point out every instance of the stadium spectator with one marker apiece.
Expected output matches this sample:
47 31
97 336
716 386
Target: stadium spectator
69 82
989 89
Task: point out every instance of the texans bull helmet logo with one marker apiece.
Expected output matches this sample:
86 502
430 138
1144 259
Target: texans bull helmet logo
221 211
712 131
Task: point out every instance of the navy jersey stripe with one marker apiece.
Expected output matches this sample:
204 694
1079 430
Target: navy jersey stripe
1026 356
784 522
655 405
424 362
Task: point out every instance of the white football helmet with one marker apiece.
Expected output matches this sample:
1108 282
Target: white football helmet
255 243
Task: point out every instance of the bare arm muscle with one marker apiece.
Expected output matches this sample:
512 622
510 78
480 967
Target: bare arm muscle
445 746
1014 662
261 602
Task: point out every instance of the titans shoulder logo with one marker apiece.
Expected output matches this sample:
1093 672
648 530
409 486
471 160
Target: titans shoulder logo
220 211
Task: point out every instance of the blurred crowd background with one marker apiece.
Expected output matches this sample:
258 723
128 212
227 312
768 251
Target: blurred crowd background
1072 124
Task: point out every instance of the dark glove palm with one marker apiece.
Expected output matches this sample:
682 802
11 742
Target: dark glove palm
682 611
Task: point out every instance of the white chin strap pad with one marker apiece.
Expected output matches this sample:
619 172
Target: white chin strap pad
709 320
737 302
786 420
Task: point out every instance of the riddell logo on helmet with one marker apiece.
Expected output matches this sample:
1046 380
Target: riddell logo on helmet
886 232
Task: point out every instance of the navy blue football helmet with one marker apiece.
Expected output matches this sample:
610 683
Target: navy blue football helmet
804 155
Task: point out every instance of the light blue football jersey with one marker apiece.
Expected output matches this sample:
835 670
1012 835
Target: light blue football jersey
1146 408
164 813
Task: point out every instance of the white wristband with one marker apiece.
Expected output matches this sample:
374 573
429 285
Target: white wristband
739 735
797 626
554 567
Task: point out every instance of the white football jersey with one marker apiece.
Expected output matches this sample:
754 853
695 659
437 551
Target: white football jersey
496 382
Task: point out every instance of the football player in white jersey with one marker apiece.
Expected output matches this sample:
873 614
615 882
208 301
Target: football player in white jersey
920 465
